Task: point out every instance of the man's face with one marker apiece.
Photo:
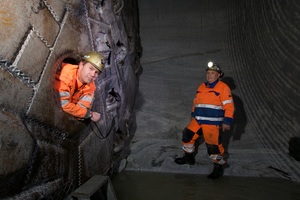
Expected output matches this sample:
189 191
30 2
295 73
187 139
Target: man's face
212 76
87 73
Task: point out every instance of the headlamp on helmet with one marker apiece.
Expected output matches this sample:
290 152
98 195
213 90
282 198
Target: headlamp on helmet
214 67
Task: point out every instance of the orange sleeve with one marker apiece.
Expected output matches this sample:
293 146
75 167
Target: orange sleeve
227 101
77 104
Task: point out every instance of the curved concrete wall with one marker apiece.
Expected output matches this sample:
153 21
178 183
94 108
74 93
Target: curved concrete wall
256 44
265 50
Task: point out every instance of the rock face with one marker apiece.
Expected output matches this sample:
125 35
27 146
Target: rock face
45 153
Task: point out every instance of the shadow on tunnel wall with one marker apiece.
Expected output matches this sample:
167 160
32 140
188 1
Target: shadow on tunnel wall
240 118
239 123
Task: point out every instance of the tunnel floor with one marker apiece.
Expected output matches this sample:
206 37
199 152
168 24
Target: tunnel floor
149 185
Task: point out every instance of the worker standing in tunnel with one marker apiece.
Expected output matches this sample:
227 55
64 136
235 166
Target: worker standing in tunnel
212 113
75 86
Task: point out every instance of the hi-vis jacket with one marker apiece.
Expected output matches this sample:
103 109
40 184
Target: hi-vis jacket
213 104
75 98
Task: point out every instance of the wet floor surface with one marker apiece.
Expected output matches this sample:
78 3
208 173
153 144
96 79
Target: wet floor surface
132 185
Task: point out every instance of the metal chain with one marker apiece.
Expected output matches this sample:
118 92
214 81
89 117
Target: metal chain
53 13
12 68
17 73
88 24
41 37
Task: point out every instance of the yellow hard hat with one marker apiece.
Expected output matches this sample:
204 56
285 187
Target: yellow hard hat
96 59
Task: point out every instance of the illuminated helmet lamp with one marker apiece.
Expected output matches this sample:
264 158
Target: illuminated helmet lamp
215 67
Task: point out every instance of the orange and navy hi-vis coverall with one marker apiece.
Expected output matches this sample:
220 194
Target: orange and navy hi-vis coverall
213 106
75 98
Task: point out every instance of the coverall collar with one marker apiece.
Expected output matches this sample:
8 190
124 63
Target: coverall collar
79 84
211 85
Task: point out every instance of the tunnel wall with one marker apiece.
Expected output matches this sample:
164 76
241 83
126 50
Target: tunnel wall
44 152
265 49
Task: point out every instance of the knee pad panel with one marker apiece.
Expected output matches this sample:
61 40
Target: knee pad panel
187 135
212 149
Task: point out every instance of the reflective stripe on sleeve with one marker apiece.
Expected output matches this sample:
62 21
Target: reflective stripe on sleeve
227 101
81 105
86 98
64 94
64 102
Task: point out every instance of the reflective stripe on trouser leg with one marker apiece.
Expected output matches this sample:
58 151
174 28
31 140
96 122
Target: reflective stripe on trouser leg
217 159
188 148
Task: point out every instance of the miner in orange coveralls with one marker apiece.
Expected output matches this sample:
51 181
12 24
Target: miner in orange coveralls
212 112
75 86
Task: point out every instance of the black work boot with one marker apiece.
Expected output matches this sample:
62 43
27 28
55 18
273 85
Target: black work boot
217 172
188 158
